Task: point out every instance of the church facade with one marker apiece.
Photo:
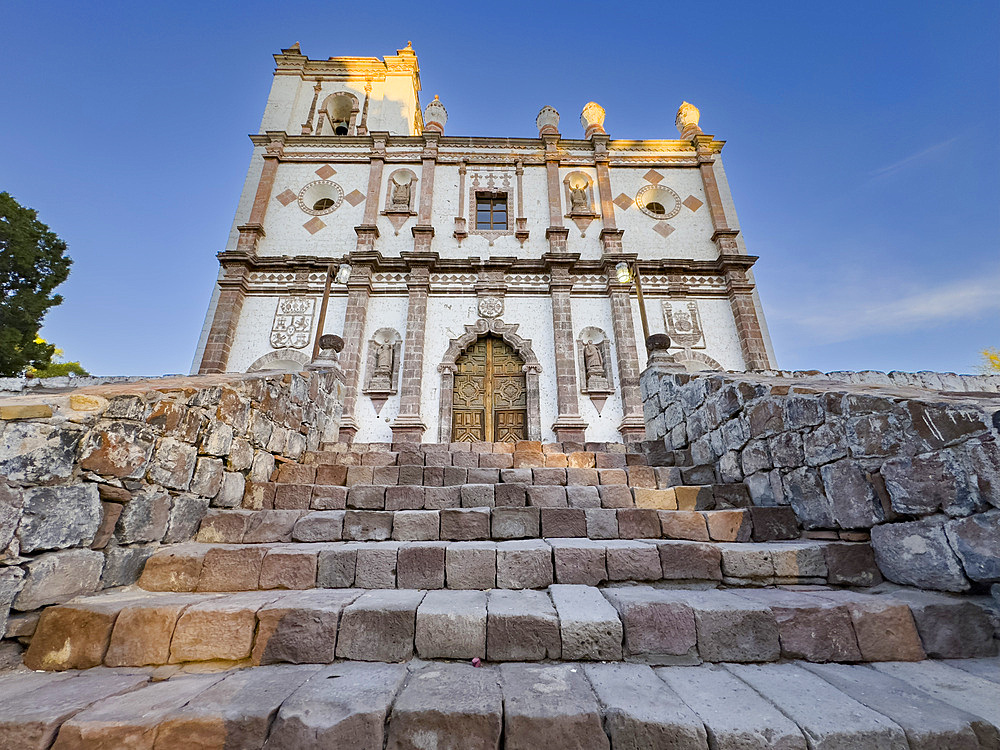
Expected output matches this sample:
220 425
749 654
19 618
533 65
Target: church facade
485 288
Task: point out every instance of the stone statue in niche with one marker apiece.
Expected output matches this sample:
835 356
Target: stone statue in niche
383 364
578 203
401 196
593 361
595 356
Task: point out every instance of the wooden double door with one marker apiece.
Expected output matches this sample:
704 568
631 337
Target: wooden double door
490 400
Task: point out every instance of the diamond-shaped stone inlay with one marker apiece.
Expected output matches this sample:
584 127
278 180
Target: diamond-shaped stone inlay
623 201
693 203
662 227
326 171
355 197
653 176
314 225
285 198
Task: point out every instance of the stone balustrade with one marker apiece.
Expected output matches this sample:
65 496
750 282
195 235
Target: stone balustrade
911 457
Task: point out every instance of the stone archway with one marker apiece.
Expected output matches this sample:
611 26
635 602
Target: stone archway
447 368
281 359
692 361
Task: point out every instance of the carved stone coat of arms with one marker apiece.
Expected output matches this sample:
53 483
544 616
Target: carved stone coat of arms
293 320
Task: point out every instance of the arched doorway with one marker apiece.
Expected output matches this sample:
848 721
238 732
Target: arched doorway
490 398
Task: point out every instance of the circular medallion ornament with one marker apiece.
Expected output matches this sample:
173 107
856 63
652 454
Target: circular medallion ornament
321 197
490 307
658 201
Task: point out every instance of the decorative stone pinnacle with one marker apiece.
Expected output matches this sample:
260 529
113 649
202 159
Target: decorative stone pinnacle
435 116
592 119
660 358
547 121
687 120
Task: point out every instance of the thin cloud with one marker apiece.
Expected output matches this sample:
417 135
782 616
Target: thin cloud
947 303
912 158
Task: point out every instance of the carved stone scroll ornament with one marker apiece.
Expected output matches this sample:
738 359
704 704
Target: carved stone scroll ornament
383 366
595 365
292 325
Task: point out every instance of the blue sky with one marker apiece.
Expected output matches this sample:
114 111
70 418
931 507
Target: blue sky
863 151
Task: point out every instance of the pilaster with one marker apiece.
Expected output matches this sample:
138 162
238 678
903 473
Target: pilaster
359 289
408 425
632 427
569 425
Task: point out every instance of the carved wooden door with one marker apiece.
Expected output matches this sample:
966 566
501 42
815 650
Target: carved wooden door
490 401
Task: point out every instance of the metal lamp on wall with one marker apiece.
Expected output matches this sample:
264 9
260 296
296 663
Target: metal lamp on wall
626 274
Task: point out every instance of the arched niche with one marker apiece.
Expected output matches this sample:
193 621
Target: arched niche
290 360
339 114
507 332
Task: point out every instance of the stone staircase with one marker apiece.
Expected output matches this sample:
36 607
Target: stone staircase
596 596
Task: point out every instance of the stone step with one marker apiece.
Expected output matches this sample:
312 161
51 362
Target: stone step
528 563
511 706
569 622
483 523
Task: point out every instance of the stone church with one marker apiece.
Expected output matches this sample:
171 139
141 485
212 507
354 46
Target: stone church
486 289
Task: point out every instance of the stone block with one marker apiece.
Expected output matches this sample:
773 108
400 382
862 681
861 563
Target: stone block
638 523
681 560
292 496
515 476
683 524
581 460
729 525
549 706
484 476
579 561
525 460
258 495
950 627
976 542
437 498
117 449
465 524
328 497
385 475
220 628
123 565
658 625
851 564
142 632
451 625
288 568
185 518
376 565
509 495
173 464
57 577
207 479
465 460
773 523
615 496
345 705
496 460
224 526
917 553
471 565
175 568
59 517
300 628
420 565
477 496
231 568
379 626
366 497
612 476
589 626
546 496
363 475
655 499
331 475
336 566
404 497
367 525
582 477
267 526
524 564
521 626
642 477
563 522
514 523
884 627
733 629
319 526
415 525
667 477
602 523
549 476
747 561
583 497
454 475
632 561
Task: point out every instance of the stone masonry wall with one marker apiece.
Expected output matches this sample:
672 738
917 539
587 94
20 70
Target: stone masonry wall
914 458
94 479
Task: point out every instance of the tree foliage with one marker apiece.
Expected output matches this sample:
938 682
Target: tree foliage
56 368
33 262
990 364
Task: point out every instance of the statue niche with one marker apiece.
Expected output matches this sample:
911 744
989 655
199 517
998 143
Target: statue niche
399 198
383 366
595 365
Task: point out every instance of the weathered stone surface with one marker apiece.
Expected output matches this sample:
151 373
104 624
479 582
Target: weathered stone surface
735 715
185 517
917 553
928 723
345 705
950 627
563 522
11 581
300 628
465 524
729 525
123 565
521 626
220 628
658 625
803 489
130 719
851 495
336 567
367 525
826 443
976 541
452 625
56 577
589 626
145 518
234 712
471 565
292 567
59 517
29 720
602 523
524 564
515 523
579 561
924 484
549 706
379 626
681 560
851 564
143 629
118 449
632 561
640 711
207 479
732 629
173 464
827 716
420 565
376 565
231 568
773 523
174 569
11 503
319 526
447 707
38 453
884 627
225 526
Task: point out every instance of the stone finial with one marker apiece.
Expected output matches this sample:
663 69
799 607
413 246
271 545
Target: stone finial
592 119
547 121
660 358
435 116
687 120
330 346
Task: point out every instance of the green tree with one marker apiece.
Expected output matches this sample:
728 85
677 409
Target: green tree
56 368
33 262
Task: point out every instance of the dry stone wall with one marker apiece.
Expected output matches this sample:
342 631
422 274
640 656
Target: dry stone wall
94 479
913 458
